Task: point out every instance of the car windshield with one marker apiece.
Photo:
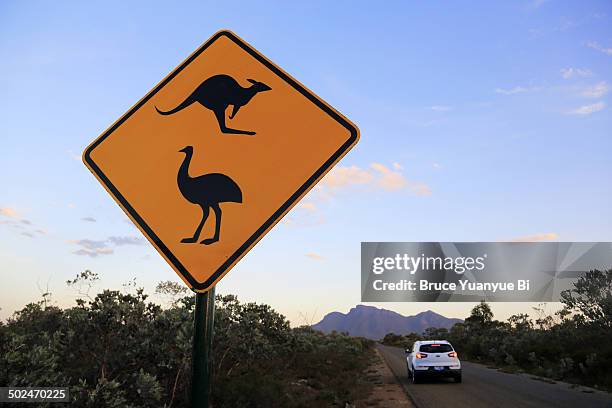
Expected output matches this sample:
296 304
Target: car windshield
435 348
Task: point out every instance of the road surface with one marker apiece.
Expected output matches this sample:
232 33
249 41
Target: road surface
485 387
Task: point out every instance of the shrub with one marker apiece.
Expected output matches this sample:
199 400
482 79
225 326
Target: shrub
120 350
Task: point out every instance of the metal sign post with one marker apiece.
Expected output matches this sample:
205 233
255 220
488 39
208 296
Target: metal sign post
201 363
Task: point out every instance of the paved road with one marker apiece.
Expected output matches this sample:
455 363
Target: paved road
485 387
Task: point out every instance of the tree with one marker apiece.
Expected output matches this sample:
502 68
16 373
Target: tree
590 300
436 333
520 322
480 317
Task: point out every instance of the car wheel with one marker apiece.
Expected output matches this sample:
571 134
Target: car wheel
458 378
415 378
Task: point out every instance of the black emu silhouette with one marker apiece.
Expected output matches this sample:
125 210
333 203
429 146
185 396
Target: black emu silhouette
207 191
217 93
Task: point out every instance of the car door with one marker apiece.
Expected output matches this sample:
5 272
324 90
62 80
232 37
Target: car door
411 355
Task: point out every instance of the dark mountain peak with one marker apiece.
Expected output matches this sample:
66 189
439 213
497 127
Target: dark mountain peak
371 310
363 309
335 314
374 323
428 313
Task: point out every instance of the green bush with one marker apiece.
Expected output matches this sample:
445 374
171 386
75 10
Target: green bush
120 350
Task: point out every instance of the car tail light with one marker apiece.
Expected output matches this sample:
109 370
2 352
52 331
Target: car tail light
421 355
452 354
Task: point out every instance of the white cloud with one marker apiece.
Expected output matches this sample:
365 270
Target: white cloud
307 206
588 109
120 241
548 236
512 91
420 189
342 176
597 91
88 219
377 175
441 108
93 253
13 223
90 244
8 212
94 248
315 256
20 223
74 156
568 73
598 47
388 179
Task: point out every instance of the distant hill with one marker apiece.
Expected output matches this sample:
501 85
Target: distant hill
374 323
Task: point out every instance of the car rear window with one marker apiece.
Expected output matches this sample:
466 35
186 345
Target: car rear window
435 348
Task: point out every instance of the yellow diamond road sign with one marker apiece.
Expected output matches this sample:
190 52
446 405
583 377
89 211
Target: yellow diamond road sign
216 154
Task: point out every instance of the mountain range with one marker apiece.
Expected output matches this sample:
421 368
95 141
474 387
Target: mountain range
374 323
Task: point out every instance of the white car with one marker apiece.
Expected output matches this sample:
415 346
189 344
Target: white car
433 358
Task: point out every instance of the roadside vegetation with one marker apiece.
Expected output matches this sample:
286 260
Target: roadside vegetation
118 349
574 345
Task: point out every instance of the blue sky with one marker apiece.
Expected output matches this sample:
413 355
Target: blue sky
478 123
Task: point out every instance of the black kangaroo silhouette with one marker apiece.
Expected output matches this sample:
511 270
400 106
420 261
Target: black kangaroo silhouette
207 191
217 93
